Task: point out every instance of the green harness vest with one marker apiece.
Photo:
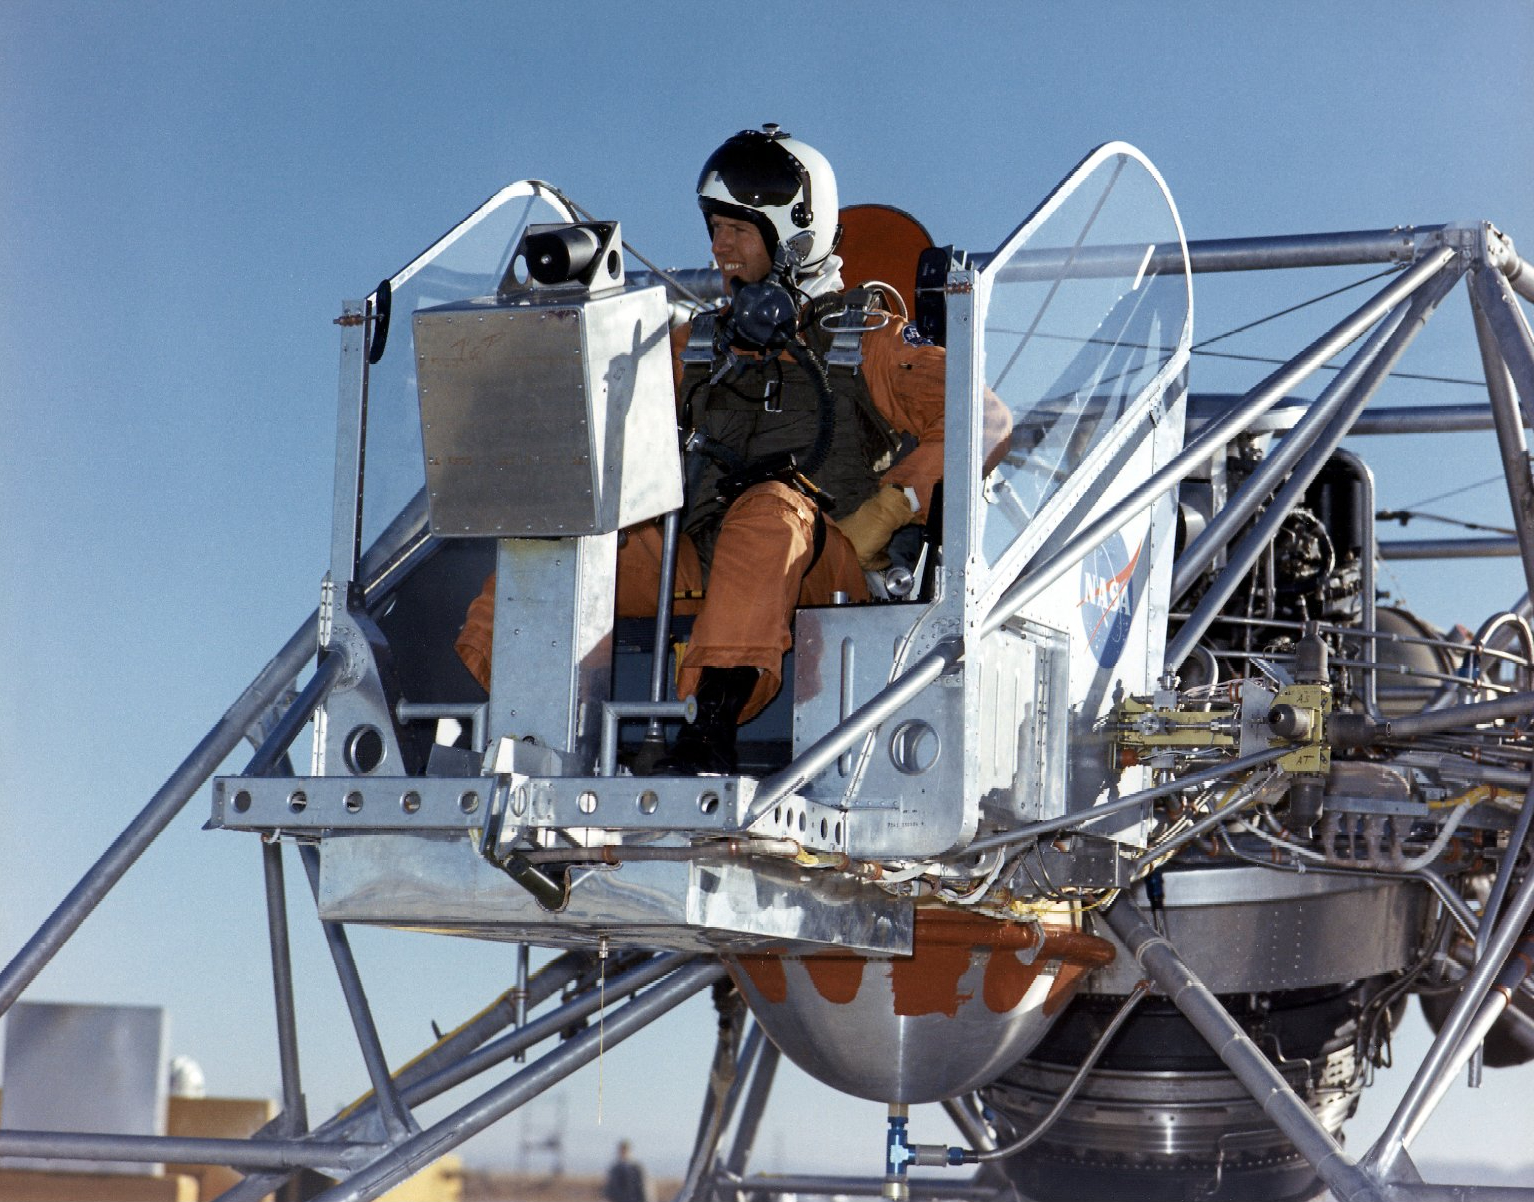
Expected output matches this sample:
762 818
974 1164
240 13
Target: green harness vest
774 408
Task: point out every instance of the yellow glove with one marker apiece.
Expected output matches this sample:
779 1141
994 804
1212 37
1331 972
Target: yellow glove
869 529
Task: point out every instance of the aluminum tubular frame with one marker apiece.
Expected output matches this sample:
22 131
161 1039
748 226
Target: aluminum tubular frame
409 1157
469 1051
1374 361
293 1106
1204 549
342 1143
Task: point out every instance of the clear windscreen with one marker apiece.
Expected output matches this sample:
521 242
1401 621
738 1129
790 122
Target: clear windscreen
1088 302
467 262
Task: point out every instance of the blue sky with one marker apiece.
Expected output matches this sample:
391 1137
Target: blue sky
188 191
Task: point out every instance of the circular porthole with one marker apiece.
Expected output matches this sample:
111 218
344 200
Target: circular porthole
915 747
363 750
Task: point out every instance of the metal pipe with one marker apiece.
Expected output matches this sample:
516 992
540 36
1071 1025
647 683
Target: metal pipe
472 711
150 1149
1384 352
351 448
1209 255
1491 1009
821 754
1493 1006
613 712
1499 887
1415 1105
1213 438
717 1112
545 1026
1424 419
415 1153
754 1107
519 991
1211 541
412 1080
406 542
397 1119
1492 908
1244 1059
496 1017
1459 910
204 760
293 1107
1511 441
1448 548
1403 1191
1516 705
1208 822
1512 333
1520 274
1400 245
1369 601
297 715
1464 957
920 1189
671 530
976 1134
1034 830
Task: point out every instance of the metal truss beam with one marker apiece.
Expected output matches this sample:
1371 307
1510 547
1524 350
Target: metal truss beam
1245 1060
412 1155
1443 1058
215 747
1354 387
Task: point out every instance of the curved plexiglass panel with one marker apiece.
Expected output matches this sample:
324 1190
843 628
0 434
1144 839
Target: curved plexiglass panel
1087 316
466 262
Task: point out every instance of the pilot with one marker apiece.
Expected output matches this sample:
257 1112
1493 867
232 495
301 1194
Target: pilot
798 472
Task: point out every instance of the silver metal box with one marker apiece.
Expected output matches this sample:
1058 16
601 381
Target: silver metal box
547 415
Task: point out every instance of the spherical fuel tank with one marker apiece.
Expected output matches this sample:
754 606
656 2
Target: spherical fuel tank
975 995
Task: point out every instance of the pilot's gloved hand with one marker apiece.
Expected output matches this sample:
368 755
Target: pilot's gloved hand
877 518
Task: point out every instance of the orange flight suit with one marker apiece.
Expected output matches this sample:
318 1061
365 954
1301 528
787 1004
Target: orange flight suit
762 563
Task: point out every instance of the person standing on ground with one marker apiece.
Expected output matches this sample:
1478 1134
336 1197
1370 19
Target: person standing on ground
626 1179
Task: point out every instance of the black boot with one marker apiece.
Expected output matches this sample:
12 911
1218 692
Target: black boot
707 745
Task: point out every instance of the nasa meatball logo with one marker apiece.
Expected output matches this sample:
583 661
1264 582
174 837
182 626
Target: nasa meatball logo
1108 598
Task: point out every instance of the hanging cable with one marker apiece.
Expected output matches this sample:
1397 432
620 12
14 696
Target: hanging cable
1139 991
1406 515
1369 279
1454 492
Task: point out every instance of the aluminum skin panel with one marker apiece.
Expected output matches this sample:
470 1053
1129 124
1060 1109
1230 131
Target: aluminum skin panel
991 740
909 801
441 884
1252 930
547 417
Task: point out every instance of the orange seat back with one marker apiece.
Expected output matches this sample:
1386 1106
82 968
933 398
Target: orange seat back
882 243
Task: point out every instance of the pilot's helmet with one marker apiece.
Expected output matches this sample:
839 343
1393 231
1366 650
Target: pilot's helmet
782 186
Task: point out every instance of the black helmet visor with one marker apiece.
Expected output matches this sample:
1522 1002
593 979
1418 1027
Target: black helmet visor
757 171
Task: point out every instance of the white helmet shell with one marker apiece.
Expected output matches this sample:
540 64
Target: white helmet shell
781 185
